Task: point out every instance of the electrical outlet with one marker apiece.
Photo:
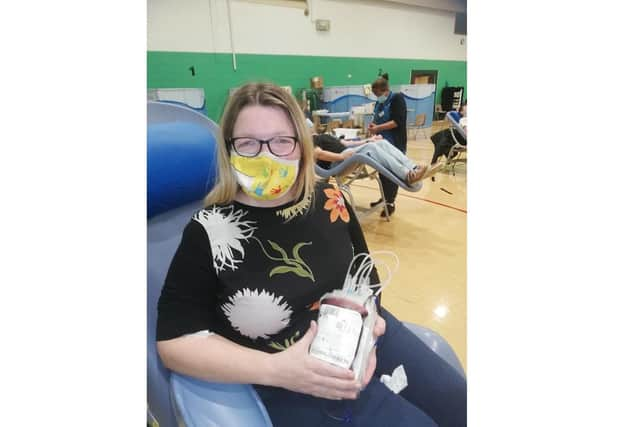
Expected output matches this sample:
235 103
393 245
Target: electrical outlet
323 25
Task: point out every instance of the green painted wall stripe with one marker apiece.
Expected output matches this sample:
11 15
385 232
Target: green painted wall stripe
214 72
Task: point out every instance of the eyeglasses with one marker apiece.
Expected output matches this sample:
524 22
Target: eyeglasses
250 147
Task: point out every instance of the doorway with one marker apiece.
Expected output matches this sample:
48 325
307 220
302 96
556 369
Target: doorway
426 77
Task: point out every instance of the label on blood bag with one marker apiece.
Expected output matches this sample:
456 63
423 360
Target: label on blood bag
338 334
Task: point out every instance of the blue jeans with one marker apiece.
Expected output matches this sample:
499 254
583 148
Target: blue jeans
436 394
383 152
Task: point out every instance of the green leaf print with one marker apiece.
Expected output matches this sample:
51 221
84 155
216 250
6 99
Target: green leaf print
281 269
296 255
287 342
282 252
296 265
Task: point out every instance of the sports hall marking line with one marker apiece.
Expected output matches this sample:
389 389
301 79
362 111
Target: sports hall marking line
417 198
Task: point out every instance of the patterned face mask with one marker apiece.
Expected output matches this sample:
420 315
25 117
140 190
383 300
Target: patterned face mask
265 177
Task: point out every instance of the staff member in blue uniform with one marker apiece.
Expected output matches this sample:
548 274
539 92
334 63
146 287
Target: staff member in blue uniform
390 121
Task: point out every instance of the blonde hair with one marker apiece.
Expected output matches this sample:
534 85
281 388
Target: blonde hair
270 95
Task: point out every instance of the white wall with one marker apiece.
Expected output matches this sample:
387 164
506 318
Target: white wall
450 5
358 29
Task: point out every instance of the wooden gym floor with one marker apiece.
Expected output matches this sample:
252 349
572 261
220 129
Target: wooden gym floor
428 232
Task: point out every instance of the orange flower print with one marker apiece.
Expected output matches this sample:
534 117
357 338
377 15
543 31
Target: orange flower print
336 205
315 306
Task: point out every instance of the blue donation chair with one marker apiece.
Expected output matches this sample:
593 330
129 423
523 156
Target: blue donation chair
459 136
354 168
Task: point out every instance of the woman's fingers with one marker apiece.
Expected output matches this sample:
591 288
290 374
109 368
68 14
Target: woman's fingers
325 369
337 385
326 393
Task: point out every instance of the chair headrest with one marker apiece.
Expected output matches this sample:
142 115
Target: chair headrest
181 159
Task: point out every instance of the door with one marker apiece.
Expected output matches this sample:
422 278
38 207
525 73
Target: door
428 77
424 76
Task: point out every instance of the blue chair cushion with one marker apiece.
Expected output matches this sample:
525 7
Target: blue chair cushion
180 165
200 403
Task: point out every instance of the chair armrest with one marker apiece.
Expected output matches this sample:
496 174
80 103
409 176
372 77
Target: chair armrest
200 403
438 344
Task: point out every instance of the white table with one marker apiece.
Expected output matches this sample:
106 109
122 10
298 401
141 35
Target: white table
332 115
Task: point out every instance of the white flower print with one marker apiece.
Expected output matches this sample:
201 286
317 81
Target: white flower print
225 229
257 314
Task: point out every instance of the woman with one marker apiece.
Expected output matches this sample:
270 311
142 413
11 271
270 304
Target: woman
390 121
240 300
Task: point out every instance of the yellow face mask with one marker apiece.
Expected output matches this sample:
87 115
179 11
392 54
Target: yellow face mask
265 177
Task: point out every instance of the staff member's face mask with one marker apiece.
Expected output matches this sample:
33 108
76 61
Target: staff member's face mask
381 96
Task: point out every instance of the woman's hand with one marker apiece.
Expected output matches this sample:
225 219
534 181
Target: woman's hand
296 370
378 330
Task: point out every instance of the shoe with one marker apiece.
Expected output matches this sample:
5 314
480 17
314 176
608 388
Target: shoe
416 174
376 203
391 207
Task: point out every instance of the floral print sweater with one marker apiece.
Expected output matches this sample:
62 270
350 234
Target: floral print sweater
255 275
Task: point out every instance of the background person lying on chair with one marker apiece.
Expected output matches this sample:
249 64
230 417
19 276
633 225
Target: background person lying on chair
443 140
329 149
